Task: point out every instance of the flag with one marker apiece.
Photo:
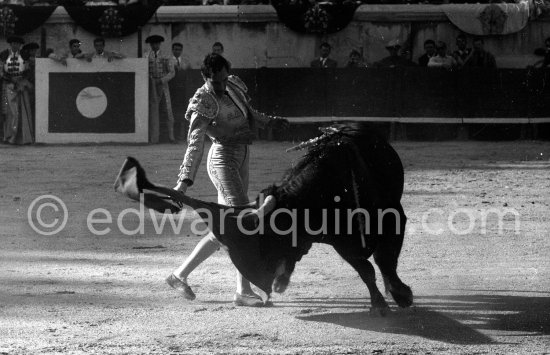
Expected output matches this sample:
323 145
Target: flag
102 102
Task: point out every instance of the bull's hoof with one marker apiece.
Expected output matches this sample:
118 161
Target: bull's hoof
281 283
403 297
379 311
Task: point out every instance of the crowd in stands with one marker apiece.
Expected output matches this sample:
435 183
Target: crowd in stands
436 55
18 63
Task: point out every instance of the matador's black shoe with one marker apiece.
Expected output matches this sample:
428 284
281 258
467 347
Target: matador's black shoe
181 286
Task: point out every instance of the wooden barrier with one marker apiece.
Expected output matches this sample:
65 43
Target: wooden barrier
406 95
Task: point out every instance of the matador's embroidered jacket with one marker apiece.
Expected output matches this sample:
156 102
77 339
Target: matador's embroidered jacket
208 119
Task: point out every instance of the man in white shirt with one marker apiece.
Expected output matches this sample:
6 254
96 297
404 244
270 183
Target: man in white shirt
73 52
100 52
179 62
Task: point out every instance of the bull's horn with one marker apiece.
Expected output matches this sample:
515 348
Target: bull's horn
266 207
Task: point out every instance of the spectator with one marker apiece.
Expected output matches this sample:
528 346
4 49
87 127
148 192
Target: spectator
179 63
462 53
74 48
394 60
480 57
177 90
217 48
429 52
442 59
29 54
355 60
29 51
545 52
161 71
16 94
324 61
100 52
74 52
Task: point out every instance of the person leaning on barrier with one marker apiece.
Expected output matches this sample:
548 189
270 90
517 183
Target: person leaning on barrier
73 52
100 52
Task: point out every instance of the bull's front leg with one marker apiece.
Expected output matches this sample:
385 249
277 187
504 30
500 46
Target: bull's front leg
386 257
362 265
284 270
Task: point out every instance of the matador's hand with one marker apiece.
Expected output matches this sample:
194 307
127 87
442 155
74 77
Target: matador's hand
181 187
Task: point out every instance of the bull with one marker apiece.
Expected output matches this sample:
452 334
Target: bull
346 192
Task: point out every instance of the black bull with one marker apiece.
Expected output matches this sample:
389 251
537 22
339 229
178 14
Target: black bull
345 192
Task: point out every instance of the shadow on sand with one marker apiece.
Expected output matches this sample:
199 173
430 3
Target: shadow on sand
451 319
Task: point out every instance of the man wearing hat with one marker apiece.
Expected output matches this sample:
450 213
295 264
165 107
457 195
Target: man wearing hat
394 59
16 104
161 71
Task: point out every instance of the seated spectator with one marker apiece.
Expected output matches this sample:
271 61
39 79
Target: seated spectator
74 52
480 57
545 52
100 52
324 61
355 60
394 60
429 51
442 59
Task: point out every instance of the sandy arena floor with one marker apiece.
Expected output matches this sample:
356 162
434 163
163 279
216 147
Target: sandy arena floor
475 292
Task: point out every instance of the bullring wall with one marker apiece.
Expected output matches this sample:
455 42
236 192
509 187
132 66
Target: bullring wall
254 37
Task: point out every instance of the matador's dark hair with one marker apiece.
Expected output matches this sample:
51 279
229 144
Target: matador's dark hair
213 63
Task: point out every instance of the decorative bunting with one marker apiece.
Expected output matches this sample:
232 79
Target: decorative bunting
310 16
113 20
20 19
